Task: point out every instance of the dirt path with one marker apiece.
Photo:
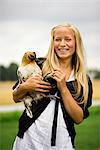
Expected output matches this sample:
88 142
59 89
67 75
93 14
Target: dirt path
20 107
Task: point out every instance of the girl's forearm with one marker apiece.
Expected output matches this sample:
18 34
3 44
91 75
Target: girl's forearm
19 93
73 109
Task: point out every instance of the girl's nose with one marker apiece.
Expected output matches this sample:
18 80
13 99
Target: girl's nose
63 42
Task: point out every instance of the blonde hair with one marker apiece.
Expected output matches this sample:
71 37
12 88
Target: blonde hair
78 61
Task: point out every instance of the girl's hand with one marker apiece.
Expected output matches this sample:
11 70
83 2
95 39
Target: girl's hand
60 77
36 84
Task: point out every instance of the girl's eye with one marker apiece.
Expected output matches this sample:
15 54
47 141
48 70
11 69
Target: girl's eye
57 39
68 39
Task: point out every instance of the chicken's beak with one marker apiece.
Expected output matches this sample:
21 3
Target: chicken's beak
32 57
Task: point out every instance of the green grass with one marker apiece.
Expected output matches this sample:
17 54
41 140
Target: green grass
88 132
87 138
8 129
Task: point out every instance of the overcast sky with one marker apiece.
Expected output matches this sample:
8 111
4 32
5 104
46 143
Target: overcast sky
26 25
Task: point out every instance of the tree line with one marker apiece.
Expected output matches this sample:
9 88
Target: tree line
10 73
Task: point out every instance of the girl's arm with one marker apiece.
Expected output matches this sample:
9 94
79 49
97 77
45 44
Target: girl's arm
71 106
32 84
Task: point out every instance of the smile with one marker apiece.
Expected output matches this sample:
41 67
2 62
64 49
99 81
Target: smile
63 50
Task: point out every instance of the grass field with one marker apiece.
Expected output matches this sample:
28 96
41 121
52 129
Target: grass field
6 91
87 138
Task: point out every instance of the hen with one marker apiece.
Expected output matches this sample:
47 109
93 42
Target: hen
29 68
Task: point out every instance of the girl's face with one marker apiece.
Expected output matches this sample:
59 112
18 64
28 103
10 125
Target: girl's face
64 42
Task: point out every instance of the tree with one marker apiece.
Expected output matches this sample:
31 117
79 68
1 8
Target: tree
94 73
12 72
9 73
3 73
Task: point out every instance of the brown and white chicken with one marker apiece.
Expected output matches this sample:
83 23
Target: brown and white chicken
29 68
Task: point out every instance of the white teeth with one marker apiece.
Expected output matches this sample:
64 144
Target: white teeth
63 49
